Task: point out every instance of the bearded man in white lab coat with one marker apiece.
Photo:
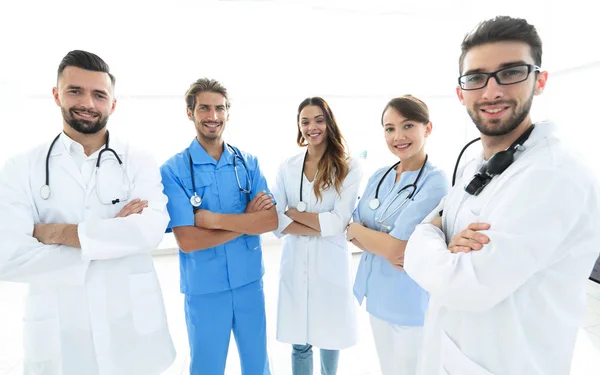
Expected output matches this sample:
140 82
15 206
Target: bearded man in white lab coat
79 231
507 262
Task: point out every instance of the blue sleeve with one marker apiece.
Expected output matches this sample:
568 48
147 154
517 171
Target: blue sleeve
425 201
259 183
179 206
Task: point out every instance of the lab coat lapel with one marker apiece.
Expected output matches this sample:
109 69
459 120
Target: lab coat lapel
62 159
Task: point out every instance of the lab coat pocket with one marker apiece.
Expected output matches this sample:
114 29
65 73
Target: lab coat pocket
455 362
333 262
147 306
41 340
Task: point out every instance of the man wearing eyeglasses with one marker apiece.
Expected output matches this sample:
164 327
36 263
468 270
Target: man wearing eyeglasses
507 262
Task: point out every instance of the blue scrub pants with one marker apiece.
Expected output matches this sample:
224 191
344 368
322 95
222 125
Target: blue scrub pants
210 319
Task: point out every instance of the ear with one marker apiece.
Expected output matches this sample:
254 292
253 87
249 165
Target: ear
190 115
459 93
55 95
428 129
540 83
113 106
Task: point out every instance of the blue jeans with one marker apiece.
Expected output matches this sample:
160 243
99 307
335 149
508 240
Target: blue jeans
302 360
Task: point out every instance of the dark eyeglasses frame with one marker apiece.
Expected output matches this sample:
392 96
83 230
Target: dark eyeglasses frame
530 68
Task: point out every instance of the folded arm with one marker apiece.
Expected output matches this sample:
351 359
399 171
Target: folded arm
22 257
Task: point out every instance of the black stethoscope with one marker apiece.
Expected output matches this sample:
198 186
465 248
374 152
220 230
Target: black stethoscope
45 190
495 166
196 200
301 207
374 203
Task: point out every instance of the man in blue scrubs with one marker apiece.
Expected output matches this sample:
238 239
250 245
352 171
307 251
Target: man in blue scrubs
219 205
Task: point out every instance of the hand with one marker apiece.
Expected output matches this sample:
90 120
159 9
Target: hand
291 212
350 235
358 244
262 201
437 222
136 206
205 219
48 234
396 259
469 239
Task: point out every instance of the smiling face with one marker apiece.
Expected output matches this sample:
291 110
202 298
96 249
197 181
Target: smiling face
85 98
210 116
498 109
405 138
313 125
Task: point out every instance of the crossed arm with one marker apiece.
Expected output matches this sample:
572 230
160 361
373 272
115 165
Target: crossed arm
304 223
212 229
66 234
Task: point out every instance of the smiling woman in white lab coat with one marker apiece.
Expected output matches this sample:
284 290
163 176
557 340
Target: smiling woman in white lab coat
94 305
395 200
315 193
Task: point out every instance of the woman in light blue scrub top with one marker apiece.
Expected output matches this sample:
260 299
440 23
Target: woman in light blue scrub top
396 199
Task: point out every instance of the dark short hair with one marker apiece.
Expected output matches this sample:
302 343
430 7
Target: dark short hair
205 85
410 108
502 29
85 60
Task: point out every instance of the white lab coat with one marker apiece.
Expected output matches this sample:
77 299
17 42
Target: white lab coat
513 307
316 305
97 310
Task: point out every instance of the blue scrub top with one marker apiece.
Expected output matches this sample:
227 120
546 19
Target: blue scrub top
232 264
391 294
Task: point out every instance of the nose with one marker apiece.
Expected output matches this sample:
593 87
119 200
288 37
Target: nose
399 135
86 101
212 114
493 90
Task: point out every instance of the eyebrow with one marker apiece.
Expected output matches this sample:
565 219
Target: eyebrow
402 122
317 116
210 105
502 66
70 87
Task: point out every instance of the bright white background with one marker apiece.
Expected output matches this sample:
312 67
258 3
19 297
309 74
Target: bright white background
273 54
357 54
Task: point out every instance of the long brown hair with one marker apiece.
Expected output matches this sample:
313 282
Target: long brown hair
333 166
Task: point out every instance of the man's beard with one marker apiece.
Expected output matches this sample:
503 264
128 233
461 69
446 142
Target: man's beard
210 137
91 126
493 127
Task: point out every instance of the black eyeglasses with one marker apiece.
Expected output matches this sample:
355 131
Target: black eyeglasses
505 76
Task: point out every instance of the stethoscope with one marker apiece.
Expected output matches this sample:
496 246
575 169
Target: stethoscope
45 190
495 166
196 200
302 206
374 203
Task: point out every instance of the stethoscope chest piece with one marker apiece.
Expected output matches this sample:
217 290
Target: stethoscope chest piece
45 192
301 207
195 200
374 204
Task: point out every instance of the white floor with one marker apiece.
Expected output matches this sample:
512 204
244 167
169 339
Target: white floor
359 360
